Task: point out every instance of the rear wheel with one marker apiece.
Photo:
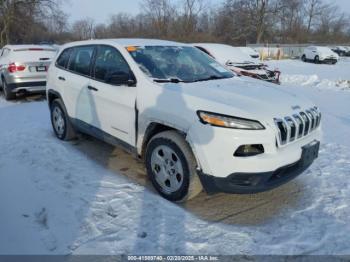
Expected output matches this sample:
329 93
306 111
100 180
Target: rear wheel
7 92
303 58
60 121
172 168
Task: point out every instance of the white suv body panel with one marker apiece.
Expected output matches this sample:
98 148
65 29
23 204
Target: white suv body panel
176 105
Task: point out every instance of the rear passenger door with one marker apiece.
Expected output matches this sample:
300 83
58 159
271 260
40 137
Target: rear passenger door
76 79
115 103
311 53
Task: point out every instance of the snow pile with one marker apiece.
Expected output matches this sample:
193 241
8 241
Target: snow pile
298 73
315 81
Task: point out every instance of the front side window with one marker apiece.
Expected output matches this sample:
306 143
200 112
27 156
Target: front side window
81 59
179 63
62 61
109 62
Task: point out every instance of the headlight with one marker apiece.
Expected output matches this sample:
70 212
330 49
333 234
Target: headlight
229 121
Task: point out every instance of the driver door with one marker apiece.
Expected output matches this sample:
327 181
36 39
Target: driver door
115 104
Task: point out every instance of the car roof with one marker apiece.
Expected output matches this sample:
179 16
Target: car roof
128 42
15 47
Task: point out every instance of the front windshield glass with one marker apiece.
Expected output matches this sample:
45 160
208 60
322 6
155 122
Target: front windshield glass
177 63
324 49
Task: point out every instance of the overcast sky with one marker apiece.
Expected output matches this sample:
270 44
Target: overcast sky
100 10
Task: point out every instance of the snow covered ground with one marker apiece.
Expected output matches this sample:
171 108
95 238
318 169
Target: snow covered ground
321 76
87 197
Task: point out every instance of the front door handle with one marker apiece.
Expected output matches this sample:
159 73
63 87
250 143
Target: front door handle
61 78
92 88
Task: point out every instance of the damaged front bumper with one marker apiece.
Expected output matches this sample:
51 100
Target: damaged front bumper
250 183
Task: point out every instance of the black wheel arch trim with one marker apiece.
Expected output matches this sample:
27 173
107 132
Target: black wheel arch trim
54 93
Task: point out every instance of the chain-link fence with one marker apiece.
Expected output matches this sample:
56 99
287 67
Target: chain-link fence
283 50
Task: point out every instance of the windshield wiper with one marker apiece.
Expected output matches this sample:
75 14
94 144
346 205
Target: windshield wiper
213 77
170 80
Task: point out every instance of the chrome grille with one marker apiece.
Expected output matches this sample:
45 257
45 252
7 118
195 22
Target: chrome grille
292 128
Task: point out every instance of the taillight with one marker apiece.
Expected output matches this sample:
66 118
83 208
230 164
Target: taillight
12 68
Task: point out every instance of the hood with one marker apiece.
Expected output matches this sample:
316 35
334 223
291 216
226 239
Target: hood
243 97
225 53
327 52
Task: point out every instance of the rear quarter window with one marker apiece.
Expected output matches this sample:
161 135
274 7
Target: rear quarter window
63 59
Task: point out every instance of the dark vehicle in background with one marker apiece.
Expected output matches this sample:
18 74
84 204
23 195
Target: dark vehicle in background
340 50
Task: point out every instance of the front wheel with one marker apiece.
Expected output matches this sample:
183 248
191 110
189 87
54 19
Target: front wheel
172 168
60 121
317 59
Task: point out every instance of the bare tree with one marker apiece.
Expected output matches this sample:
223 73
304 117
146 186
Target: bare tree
160 12
191 10
83 29
231 21
17 15
313 10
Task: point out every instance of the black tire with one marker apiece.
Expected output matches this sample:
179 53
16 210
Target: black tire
7 92
303 58
66 132
191 185
317 59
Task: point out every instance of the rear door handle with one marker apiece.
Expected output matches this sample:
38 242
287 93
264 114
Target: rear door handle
61 78
92 88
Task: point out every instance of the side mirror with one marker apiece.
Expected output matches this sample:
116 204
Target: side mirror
121 78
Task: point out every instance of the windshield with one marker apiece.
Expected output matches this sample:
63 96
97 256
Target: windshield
177 64
324 49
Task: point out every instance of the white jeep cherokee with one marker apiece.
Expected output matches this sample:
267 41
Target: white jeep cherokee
193 121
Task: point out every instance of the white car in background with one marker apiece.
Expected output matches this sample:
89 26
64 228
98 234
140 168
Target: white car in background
23 69
319 54
240 62
250 51
192 121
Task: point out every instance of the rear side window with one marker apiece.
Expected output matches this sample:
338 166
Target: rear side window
80 61
62 61
108 62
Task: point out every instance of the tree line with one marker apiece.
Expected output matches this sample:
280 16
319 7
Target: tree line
230 21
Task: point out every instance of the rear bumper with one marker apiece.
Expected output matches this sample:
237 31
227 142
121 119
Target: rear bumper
31 87
250 183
